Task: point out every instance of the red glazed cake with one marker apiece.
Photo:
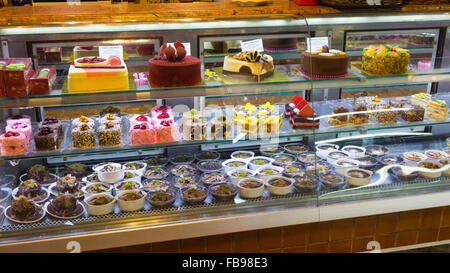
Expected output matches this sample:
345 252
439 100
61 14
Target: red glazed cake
173 68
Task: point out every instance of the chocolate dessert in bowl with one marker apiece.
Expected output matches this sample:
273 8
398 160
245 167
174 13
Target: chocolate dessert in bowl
135 166
335 155
323 150
445 162
242 155
368 162
403 173
152 185
100 204
183 181
295 148
156 173
193 194
156 161
24 211
305 184
131 200
259 161
283 159
390 160
232 164
358 177
181 159
76 169
251 187
280 185
293 170
31 190
306 158
332 180
376 150
354 151
341 165
270 150
239 174
413 158
183 170
264 173
127 185
96 188
162 199
209 166
65 206
319 166
207 155
433 167
209 179
223 191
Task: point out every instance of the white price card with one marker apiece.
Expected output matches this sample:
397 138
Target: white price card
252 45
316 42
106 51
187 46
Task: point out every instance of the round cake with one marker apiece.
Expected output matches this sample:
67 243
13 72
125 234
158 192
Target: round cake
325 63
248 65
173 68
385 60
283 44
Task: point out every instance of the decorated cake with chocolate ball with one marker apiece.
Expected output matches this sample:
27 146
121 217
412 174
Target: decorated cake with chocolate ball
174 68
53 123
301 113
325 63
248 65
46 139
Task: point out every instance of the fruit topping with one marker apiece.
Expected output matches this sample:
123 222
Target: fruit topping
141 118
50 120
43 131
12 134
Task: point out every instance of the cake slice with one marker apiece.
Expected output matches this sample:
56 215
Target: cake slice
142 133
421 99
166 131
20 127
437 110
341 119
109 134
415 113
13 143
46 139
83 136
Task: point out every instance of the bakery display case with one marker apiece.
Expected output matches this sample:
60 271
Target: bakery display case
172 126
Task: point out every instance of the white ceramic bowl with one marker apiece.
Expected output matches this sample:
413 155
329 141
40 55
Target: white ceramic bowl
119 190
253 166
250 192
233 155
264 176
110 177
361 151
87 194
141 170
322 150
100 209
235 179
226 168
131 205
432 173
340 169
446 165
275 190
358 181
418 156
331 158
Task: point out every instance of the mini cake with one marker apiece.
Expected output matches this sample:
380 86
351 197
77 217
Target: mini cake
359 119
82 120
43 79
76 169
93 74
139 119
46 139
67 184
300 113
221 127
23 209
386 116
83 136
325 63
143 133
109 134
437 109
111 118
13 143
280 44
166 131
162 117
53 123
192 114
270 124
339 120
18 118
195 129
421 99
20 127
32 190
385 60
65 206
291 105
415 113
399 102
40 174
173 68
249 65
376 103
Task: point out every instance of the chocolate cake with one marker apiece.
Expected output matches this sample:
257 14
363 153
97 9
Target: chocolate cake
23 209
299 122
31 190
339 120
416 113
41 174
281 44
326 63
65 206
173 68
46 139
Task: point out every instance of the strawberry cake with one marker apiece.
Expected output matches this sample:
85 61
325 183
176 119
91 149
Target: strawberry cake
13 143
142 133
20 127
18 118
166 131
139 119
160 109
173 68
300 113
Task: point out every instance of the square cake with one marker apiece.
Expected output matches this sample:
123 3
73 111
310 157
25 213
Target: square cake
83 136
13 143
46 139
109 134
142 133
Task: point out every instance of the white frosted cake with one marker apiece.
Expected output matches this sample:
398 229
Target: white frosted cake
249 65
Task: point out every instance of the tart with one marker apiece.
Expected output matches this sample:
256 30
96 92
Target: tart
23 210
251 188
65 206
183 181
32 190
193 194
209 179
181 159
156 173
183 170
100 204
162 198
223 191
131 200
279 185
152 185
209 166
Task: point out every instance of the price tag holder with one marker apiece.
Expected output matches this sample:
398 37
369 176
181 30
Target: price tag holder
316 42
252 45
106 51
187 46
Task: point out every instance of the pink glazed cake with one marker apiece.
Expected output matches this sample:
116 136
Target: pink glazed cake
18 118
13 143
166 131
139 119
161 109
142 134
24 128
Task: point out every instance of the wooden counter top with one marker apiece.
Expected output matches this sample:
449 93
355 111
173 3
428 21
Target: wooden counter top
96 13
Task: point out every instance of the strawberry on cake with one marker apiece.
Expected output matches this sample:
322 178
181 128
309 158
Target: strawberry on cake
166 131
173 68
142 133
139 119
20 127
13 143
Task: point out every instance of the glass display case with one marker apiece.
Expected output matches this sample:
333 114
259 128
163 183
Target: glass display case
180 133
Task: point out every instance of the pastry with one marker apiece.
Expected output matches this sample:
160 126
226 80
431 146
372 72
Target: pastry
139 119
143 133
46 139
166 131
13 143
339 120
83 136
110 110
173 68
76 169
161 109
19 127
437 110
249 65
109 134
386 116
325 63
414 113
116 120
16 77
359 119
385 60
280 44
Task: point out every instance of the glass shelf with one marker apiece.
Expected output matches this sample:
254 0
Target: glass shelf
323 110
291 82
